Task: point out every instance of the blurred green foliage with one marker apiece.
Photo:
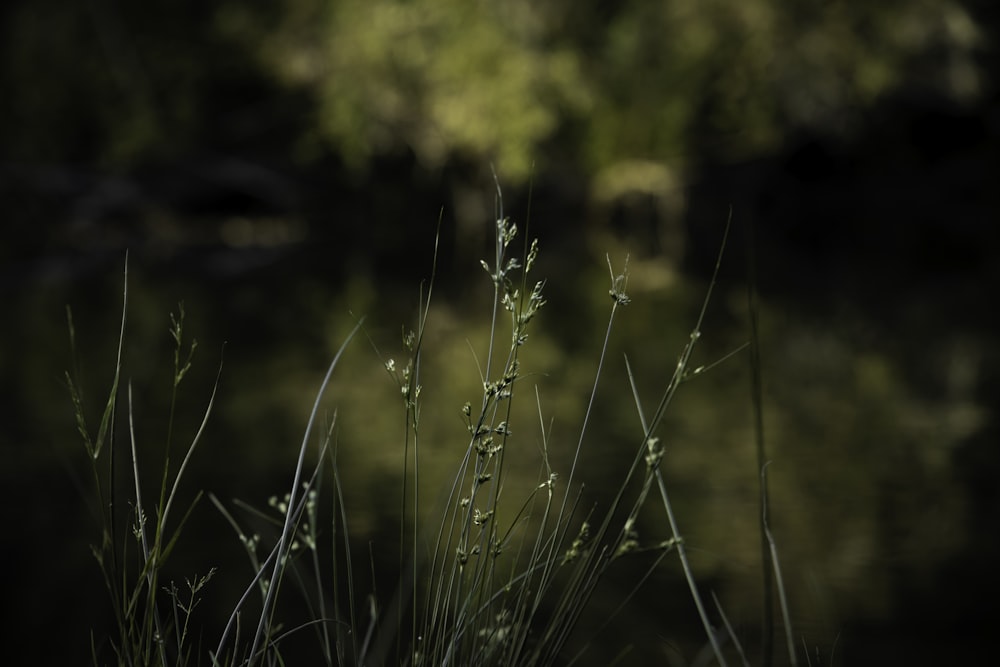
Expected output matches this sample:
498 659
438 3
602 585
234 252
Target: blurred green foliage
637 80
518 83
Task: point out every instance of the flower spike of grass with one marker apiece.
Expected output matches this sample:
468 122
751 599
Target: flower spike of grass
144 635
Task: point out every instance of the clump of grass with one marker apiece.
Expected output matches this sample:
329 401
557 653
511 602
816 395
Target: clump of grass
137 538
474 587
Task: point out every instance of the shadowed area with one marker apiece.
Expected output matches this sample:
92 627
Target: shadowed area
284 172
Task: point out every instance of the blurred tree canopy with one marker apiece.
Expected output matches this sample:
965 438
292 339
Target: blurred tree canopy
519 83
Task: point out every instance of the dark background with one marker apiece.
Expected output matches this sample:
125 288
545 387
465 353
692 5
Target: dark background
282 170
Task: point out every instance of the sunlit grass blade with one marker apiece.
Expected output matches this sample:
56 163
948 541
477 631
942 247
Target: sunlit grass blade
284 541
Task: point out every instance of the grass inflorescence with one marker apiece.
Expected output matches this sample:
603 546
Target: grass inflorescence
493 579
